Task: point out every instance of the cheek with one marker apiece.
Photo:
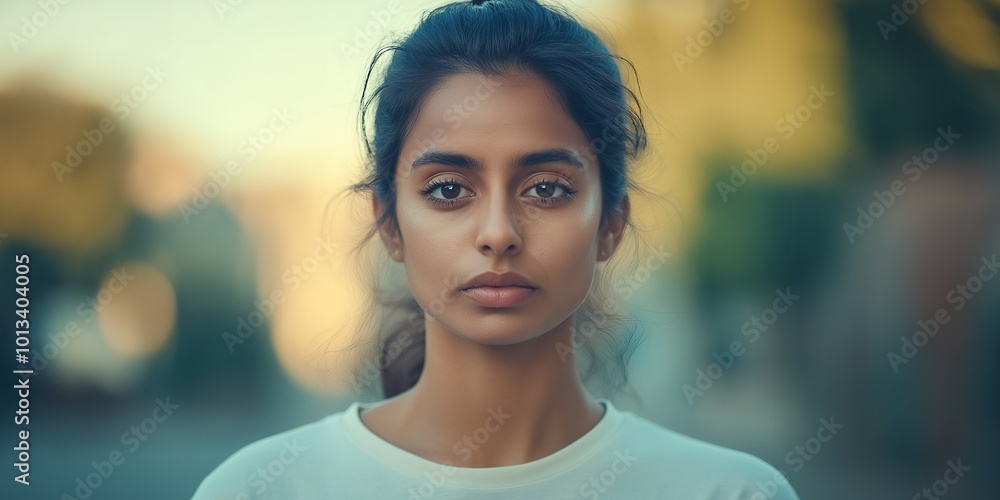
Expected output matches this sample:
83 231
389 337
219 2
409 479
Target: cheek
564 244
566 251
431 248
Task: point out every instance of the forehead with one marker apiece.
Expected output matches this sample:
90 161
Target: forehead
491 117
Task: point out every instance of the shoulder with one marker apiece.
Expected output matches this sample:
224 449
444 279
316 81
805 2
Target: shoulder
267 467
704 469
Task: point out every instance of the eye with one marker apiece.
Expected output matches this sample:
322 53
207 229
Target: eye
548 192
444 192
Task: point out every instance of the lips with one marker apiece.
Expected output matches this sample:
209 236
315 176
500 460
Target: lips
492 279
504 296
499 289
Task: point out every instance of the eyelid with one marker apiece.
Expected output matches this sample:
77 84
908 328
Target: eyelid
567 190
551 178
436 183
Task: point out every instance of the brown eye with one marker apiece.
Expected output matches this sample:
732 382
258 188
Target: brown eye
549 190
545 190
450 191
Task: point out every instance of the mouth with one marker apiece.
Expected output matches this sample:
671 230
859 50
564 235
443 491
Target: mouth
494 289
499 296
498 280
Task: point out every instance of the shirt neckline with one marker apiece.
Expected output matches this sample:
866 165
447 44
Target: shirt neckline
562 460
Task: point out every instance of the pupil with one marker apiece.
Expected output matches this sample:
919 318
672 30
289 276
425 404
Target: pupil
545 189
449 188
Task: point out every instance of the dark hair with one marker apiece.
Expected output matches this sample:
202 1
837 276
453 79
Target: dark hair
495 38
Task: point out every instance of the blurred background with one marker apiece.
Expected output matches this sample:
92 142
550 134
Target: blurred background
168 166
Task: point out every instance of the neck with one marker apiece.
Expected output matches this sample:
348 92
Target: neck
490 405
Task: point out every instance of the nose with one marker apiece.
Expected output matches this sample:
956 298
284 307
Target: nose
498 229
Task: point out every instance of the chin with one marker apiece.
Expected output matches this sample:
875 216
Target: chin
492 328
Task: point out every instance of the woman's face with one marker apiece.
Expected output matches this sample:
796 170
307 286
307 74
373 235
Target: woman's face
494 175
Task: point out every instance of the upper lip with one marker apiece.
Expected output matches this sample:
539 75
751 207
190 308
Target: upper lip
498 280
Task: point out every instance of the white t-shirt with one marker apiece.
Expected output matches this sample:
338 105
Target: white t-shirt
623 456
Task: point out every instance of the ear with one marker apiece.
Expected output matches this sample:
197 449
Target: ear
611 232
390 236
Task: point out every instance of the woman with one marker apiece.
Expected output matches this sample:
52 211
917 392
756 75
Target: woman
498 179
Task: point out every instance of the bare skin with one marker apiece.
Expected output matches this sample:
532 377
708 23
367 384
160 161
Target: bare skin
486 362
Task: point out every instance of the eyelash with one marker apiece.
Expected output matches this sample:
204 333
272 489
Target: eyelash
565 198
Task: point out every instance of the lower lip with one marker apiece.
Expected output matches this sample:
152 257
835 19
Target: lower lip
500 296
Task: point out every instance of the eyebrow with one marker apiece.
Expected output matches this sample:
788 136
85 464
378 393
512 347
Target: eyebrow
554 155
